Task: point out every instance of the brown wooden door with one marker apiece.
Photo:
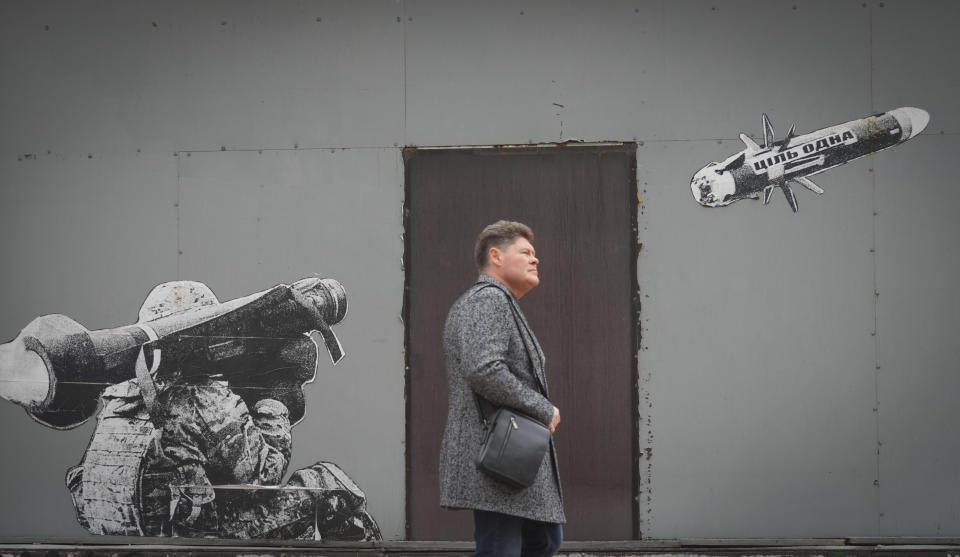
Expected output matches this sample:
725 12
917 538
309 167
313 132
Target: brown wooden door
581 203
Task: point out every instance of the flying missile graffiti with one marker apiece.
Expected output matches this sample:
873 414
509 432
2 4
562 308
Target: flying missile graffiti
776 164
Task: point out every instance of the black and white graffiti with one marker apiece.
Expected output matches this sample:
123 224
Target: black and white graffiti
759 169
197 402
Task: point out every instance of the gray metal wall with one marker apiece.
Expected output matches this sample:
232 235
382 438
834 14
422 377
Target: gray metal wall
797 370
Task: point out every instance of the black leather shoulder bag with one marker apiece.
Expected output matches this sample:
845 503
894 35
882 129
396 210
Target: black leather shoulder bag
513 447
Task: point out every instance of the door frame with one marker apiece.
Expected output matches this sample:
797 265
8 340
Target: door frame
635 311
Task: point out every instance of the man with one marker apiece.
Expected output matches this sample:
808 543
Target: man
491 351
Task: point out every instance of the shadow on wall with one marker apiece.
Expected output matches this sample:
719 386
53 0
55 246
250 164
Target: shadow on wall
198 400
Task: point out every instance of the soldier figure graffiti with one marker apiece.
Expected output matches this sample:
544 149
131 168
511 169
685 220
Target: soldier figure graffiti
198 400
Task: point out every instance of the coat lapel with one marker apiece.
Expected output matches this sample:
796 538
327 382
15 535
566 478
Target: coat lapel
535 352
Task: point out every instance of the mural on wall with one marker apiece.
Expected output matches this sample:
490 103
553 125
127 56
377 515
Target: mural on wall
197 403
759 169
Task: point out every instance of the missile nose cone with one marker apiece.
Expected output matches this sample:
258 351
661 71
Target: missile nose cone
913 120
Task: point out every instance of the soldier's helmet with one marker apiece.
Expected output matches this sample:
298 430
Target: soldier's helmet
175 297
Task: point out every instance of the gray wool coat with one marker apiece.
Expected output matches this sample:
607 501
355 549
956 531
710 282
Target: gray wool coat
490 349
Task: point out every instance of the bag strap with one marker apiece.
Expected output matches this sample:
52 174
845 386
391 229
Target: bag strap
485 416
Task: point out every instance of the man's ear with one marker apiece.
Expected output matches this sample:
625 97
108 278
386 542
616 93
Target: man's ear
495 256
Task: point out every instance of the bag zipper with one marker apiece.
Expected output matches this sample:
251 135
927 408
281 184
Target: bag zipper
506 436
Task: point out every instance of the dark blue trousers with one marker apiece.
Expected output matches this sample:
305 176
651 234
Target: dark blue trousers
502 535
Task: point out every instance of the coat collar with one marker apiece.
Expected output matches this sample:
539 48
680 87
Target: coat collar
496 282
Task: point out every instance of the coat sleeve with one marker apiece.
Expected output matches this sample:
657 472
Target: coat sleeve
485 339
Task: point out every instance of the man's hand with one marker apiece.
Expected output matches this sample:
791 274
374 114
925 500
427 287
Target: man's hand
556 419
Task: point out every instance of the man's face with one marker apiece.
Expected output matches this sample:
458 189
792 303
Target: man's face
516 266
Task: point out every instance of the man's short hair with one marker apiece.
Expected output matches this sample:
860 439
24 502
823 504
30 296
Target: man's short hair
498 235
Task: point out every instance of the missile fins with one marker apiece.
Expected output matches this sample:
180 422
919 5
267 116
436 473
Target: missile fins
808 183
767 132
752 146
791 197
791 132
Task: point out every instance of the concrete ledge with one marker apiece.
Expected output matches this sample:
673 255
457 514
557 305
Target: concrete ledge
166 547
